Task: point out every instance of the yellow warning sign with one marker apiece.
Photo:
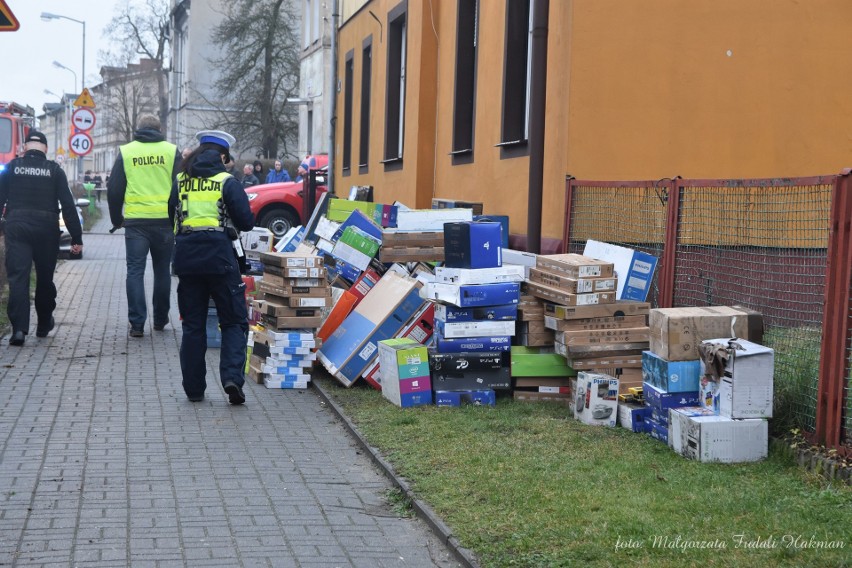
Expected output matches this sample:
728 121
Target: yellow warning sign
85 100
8 21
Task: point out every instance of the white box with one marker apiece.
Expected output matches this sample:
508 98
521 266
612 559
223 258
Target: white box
520 258
635 269
596 400
256 241
746 389
430 219
696 433
505 273
486 328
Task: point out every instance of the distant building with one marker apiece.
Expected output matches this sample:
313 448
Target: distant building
315 78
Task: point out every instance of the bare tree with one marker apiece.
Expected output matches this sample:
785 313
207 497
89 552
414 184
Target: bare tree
259 71
141 29
129 91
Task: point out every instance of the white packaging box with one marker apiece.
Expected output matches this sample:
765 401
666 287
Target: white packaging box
746 390
256 241
460 329
696 433
505 273
596 399
275 384
430 219
520 258
326 229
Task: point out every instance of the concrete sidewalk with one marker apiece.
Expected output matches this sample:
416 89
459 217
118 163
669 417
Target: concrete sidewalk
104 462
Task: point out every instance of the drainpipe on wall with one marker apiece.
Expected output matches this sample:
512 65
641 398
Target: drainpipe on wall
538 100
333 122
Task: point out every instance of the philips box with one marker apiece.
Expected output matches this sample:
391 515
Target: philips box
746 389
697 434
473 245
473 295
662 400
596 399
670 376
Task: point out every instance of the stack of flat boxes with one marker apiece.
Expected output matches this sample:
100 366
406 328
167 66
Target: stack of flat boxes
671 368
405 372
476 317
540 375
412 246
531 331
294 291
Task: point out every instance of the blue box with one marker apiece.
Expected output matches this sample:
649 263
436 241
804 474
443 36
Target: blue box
659 432
415 398
448 313
473 245
473 295
634 417
360 220
670 376
502 219
662 400
478 397
474 344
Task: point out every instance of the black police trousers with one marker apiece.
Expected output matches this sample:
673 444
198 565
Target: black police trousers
32 237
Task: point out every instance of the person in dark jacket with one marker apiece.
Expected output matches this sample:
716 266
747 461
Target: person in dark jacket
277 174
249 179
138 196
258 171
32 189
209 209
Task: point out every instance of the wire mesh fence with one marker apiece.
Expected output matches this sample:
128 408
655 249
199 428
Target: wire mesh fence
761 244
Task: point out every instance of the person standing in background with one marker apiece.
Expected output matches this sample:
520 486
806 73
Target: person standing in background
30 188
138 195
277 174
249 179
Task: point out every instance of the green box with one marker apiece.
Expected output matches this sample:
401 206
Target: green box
360 241
531 362
340 209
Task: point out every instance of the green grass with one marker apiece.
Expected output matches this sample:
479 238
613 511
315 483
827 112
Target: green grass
524 484
796 376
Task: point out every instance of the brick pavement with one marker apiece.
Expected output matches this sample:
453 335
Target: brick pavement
103 461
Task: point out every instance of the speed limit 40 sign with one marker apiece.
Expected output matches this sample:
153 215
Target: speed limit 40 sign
80 143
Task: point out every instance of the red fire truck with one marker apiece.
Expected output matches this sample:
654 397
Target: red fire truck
15 123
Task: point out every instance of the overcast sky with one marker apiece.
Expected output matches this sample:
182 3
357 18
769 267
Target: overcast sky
28 54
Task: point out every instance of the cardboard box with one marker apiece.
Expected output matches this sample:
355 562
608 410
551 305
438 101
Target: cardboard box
659 431
472 344
564 298
497 379
696 434
536 382
596 400
531 396
473 245
575 265
411 254
586 324
454 330
256 241
457 398
405 371
676 332
472 295
270 308
602 336
746 389
438 203
531 362
419 328
670 376
309 302
285 383
520 258
635 269
634 416
356 247
430 219
508 273
573 285
339 312
271 279
291 260
397 238
532 326
507 312
535 339
380 315
291 322
631 360
662 400
619 308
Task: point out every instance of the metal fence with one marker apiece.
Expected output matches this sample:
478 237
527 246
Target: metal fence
763 244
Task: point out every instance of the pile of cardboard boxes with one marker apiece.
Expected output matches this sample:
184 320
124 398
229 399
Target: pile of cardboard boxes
430 307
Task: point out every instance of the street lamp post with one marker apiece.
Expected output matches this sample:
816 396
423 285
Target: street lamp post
47 16
61 66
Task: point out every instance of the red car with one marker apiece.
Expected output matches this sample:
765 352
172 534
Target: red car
278 206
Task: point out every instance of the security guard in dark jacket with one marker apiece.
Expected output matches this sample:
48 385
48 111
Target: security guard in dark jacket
30 189
209 209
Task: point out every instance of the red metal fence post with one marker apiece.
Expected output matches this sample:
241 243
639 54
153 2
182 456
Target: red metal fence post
836 310
666 278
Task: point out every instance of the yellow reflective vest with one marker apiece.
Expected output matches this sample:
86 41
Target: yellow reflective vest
198 201
148 167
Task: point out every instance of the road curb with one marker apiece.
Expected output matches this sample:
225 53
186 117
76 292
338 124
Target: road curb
424 511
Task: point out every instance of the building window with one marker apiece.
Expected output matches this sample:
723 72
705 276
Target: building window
348 78
366 78
516 74
395 106
465 92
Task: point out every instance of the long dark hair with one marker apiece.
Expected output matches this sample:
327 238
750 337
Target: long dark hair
186 165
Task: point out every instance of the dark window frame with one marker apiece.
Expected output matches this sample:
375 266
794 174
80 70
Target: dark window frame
348 82
516 68
464 96
366 101
395 89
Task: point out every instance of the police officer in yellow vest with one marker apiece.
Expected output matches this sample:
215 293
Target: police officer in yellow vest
209 208
138 195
